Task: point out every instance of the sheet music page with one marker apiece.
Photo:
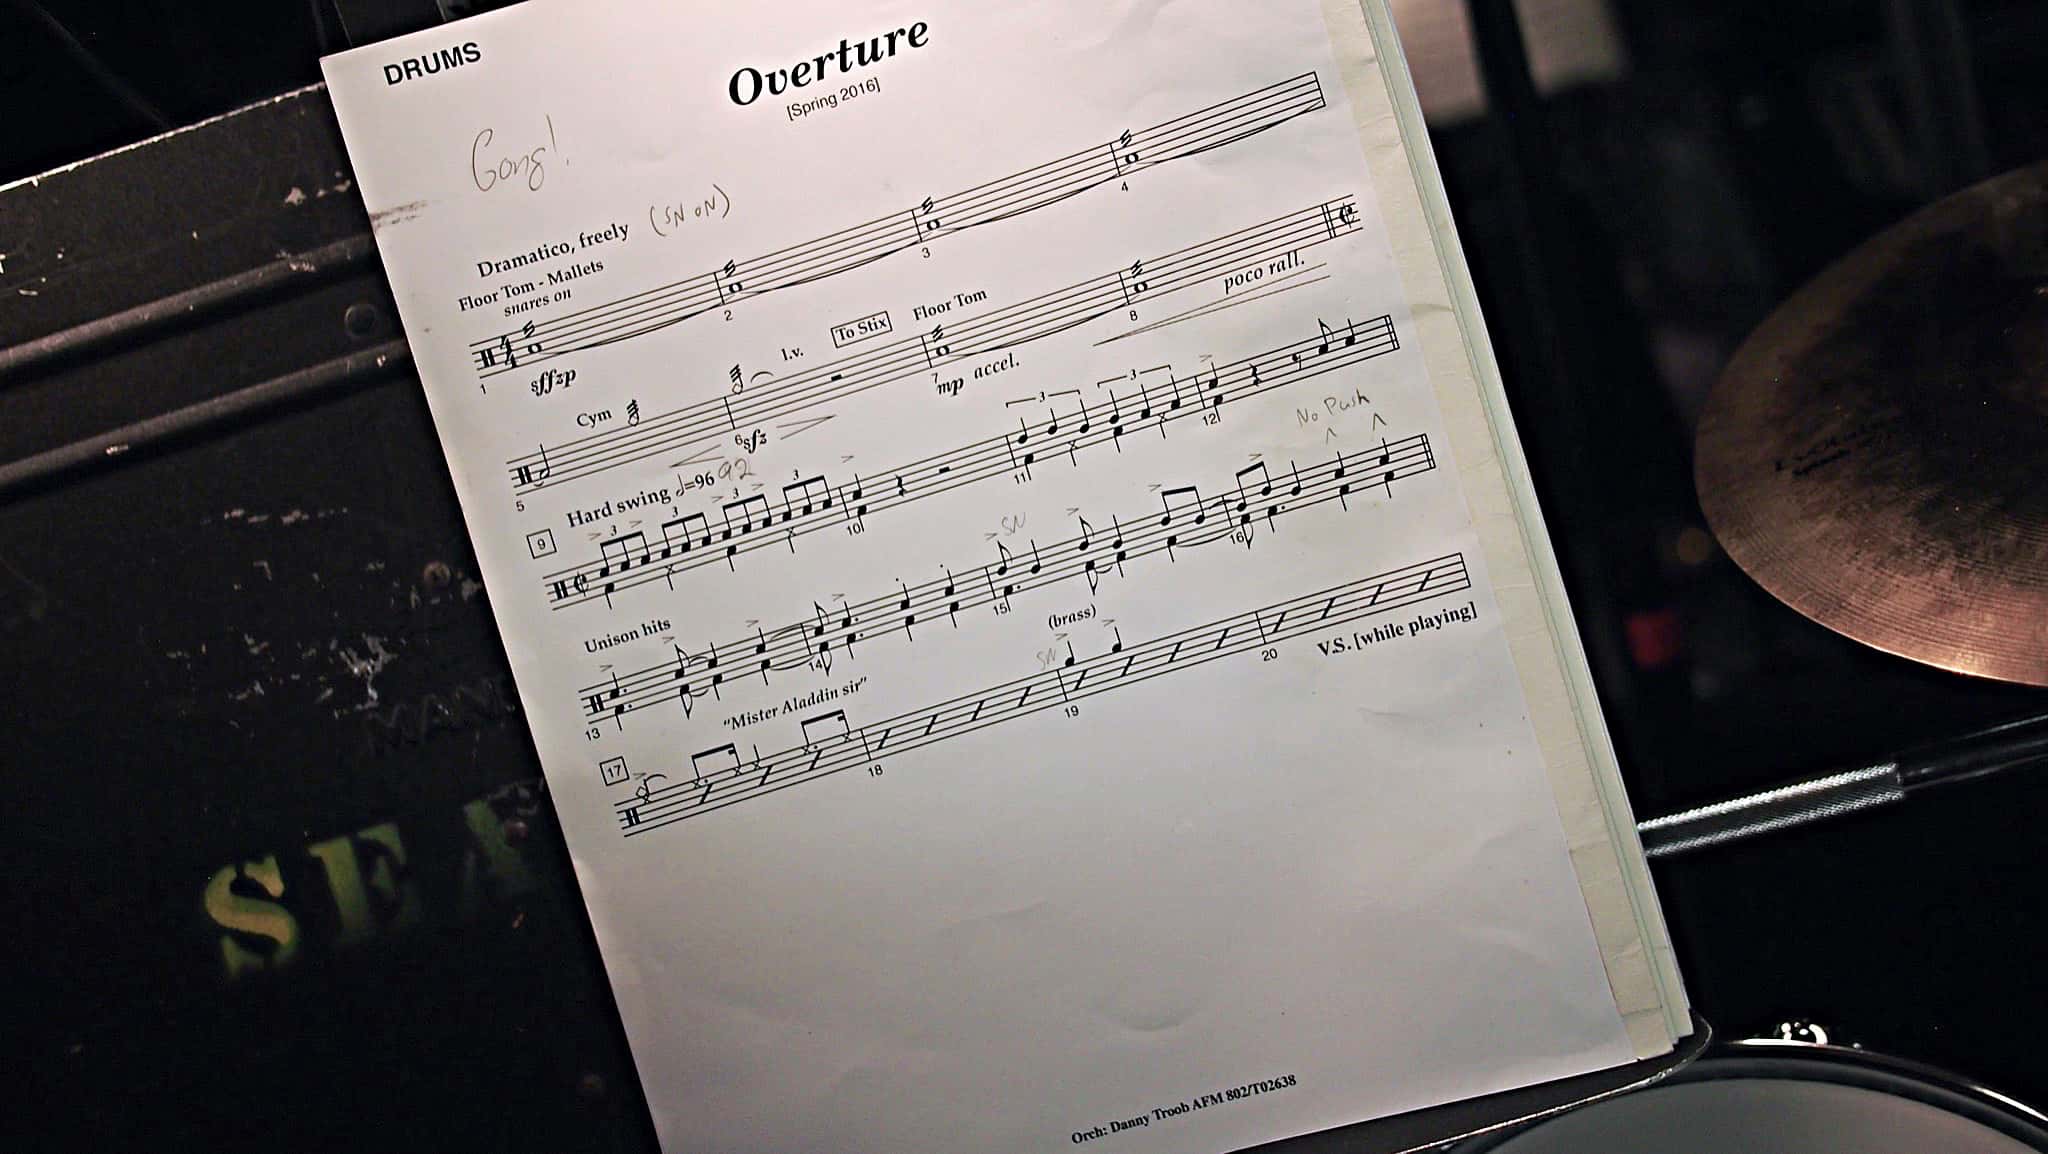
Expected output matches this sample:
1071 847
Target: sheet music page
983 567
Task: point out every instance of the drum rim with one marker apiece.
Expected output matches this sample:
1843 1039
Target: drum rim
1770 1059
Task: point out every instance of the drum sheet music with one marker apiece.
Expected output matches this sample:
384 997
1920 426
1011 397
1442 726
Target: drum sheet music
982 563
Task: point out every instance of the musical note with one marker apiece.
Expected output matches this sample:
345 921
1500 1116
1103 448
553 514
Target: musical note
816 495
779 398
722 759
744 523
825 720
830 742
971 463
1244 497
620 547
1002 570
676 535
989 202
1082 555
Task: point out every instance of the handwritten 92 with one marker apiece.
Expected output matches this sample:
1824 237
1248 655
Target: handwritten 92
494 165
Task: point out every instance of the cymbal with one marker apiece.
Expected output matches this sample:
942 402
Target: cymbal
1876 453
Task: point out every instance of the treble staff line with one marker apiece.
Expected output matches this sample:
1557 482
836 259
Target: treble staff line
1033 319
1093 552
687 542
650 310
650 808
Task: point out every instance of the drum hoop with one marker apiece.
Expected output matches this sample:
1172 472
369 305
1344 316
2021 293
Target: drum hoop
1774 1060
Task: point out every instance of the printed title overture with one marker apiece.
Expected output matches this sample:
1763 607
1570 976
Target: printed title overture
746 85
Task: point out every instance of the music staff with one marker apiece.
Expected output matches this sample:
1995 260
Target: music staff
1056 180
1186 519
698 424
695 539
720 780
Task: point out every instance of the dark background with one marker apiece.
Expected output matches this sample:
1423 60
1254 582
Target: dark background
267 638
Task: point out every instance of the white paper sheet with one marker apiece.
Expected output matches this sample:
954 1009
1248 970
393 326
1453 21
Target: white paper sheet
986 579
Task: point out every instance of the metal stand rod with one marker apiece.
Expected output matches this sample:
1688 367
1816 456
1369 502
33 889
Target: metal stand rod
370 366
288 272
2014 745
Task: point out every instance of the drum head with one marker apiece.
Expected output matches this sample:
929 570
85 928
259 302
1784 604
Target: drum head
1782 1107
